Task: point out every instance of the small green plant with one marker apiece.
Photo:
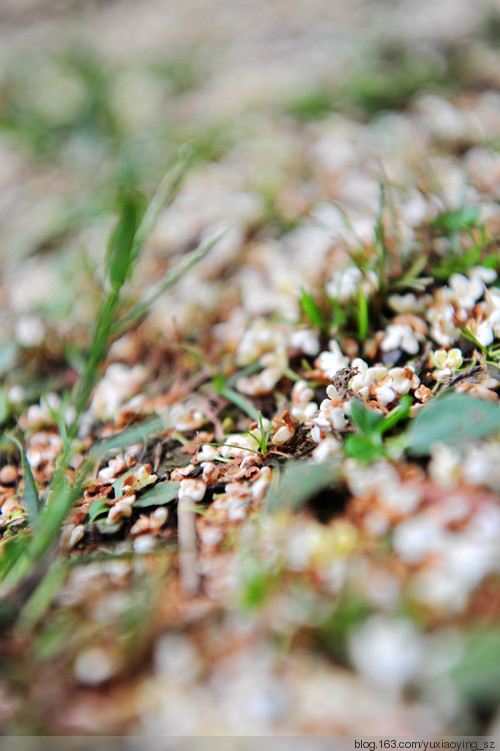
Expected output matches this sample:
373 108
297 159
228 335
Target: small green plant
261 435
312 310
454 221
25 562
368 445
311 105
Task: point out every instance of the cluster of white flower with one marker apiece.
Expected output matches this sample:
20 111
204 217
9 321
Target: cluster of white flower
347 284
488 326
266 344
332 360
377 383
479 467
446 363
303 408
459 304
401 336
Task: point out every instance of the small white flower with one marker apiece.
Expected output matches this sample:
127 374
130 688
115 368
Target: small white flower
333 414
282 435
444 467
29 331
302 393
386 651
467 291
210 472
94 666
186 418
114 468
331 362
306 340
485 333
302 408
481 465
346 284
442 320
119 384
404 379
366 377
263 383
446 362
77 534
416 537
261 337
483 274
191 489
329 446
400 336
384 394
121 508
408 303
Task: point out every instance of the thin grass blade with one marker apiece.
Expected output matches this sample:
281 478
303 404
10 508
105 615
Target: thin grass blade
142 308
30 497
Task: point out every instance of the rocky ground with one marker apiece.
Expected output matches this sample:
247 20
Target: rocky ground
263 500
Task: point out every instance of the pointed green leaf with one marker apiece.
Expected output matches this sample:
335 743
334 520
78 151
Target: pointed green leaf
452 419
363 448
368 421
300 481
311 309
120 257
453 221
477 676
97 509
30 497
159 495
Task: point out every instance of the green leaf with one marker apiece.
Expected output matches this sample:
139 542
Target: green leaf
362 315
142 307
30 497
363 448
120 256
140 433
118 484
239 401
4 406
311 309
399 413
41 599
97 509
300 481
8 356
452 222
159 495
11 549
368 421
452 419
477 675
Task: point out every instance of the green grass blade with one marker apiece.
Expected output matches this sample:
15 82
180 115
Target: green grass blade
239 401
30 497
362 316
120 256
142 308
311 309
163 197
